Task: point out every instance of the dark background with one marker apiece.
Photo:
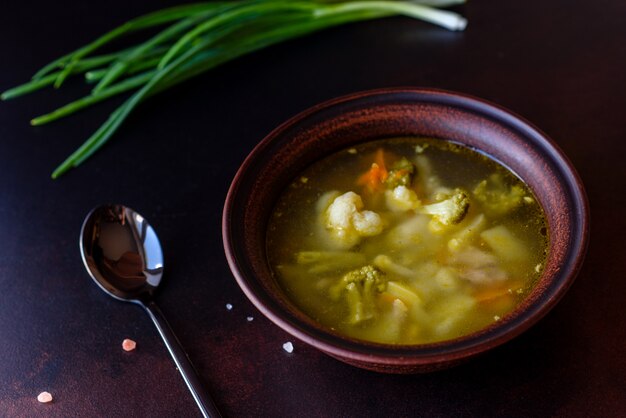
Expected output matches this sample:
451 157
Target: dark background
561 64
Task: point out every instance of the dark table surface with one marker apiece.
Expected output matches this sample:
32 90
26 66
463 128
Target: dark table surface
561 64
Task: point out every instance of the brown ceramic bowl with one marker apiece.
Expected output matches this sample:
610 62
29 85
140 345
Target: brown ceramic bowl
372 115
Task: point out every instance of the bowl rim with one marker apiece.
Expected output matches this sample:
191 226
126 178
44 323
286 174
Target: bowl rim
446 351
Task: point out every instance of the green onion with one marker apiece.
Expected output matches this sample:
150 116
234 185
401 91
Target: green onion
196 38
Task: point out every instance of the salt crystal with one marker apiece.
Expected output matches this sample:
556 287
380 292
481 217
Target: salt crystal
128 345
249 319
288 347
229 306
44 397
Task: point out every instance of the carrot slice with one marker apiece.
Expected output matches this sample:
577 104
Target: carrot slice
498 297
375 177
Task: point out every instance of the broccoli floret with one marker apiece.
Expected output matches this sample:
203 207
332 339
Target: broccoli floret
366 275
400 174
450 211
497 197
359 287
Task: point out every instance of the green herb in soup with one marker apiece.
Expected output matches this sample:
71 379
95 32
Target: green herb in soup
407 241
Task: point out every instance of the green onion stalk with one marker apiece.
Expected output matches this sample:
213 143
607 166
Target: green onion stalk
194 39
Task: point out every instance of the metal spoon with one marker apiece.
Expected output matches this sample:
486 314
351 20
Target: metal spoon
122 253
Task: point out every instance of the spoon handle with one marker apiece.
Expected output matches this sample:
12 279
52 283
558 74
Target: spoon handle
186 369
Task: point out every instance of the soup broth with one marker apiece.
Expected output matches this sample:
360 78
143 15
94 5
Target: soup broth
407 241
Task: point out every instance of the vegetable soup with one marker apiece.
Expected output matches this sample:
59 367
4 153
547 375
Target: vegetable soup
407 241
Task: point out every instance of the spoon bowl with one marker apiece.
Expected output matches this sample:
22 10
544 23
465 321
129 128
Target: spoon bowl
122 252
123 255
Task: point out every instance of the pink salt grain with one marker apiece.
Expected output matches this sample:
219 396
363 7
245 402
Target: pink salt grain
128 345
44 397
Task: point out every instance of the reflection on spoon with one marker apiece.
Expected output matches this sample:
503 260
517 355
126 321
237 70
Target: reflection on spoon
122 253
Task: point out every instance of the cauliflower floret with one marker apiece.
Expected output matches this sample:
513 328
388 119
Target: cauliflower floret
348 223
367 223
450 211
401 199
